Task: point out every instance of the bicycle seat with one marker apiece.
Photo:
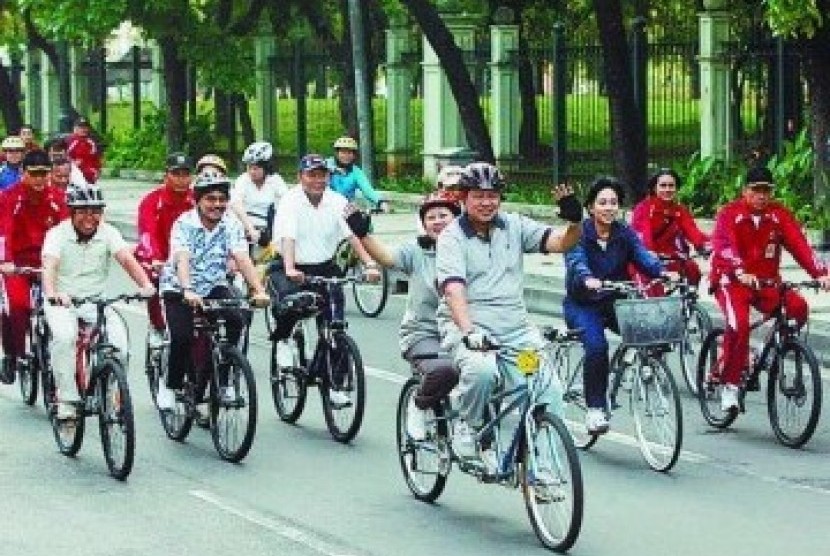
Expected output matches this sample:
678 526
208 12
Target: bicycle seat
300 305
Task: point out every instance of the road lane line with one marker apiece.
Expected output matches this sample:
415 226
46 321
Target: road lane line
277 526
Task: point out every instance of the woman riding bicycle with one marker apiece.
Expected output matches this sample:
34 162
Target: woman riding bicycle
257 192
418 335
347 177
667 228
607 247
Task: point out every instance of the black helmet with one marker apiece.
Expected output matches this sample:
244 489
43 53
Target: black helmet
482 175
82 196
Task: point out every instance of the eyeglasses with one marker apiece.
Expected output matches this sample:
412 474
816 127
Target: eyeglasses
215 198
37 173
15 150
666 184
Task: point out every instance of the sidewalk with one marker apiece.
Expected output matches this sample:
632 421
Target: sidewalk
544 274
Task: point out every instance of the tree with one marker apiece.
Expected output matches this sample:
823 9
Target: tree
10 36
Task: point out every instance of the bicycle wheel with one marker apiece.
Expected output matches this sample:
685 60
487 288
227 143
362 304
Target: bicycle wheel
794 394
47 378
551 479
344 374
27 375
288 384
115 420
425 463
370 297
573 397
69 434
152 367
233 422
178 421
709 370
697 328
658 416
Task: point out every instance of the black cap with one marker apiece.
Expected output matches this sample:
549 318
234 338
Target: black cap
36 159
759 175
178 161
81 121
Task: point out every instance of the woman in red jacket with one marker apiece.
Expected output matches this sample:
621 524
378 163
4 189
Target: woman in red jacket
666 227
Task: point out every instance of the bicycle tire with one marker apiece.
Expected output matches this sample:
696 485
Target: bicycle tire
708 383
48 389
224 417
178 421
288 388
558 487
344 422
655 391
152 368
425 477
574 405
783 386
27 379
116 414
69 442
370 297
697 328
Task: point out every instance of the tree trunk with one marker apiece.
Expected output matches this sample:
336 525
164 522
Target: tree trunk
220 113
529 146
348 92
627 133
452 62
175 85
9 101
817 70
243 109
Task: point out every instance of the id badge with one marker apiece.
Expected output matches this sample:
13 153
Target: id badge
770 251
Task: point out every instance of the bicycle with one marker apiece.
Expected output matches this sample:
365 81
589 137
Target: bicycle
792 375
336 364
370 297
649 327
217 364
536 453
104 391
698 325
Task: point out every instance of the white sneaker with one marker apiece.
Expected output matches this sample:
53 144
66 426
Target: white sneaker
416 425
285 354
595 421
155 339
66 411
729 398
463 440
490 461
338 398
165 398
227 394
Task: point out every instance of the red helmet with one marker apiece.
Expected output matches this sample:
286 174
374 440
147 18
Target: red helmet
439 199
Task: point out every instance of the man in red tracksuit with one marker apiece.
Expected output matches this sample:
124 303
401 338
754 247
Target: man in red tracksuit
666 227
83 151
27 210
157 212
747 241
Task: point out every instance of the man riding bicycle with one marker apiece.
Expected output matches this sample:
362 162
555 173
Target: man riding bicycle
202 241
77 256
747 241
479 270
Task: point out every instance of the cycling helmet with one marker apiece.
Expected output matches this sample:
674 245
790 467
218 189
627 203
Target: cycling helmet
81 196
211 160
13 142
345 142
257 153
482 175
439 199
449 176
211 181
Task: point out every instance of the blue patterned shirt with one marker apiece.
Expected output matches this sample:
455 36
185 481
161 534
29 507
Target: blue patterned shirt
209 251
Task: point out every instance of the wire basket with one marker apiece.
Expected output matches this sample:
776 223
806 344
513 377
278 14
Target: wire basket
651 321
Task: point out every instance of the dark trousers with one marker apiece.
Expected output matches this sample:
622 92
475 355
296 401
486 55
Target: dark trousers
439 375
180 325
280 287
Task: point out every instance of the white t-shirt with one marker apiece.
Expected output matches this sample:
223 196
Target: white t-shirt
316 231
84 267
257 200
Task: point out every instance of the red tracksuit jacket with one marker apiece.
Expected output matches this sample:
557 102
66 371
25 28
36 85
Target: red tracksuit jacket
85 153
666 227
24 222
157 212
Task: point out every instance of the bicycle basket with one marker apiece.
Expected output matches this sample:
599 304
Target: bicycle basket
300 305
651 321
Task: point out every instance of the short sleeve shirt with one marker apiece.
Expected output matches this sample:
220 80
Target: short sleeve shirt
257 200
419 321
316 230
492 269
84 266
209 251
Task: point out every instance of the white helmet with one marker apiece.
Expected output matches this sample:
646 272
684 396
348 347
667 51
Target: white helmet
257 153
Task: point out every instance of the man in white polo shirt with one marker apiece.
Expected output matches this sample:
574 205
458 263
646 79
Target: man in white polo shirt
309 225
77 255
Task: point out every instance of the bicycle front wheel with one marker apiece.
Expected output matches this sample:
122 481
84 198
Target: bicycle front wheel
575 407
343 389
69 434
794 394
551 480
116 420
27 375
425 462
288 383
658 417
709 381
697 328
370 297
233 414
178 421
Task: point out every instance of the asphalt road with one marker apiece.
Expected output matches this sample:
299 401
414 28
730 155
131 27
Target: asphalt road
299 493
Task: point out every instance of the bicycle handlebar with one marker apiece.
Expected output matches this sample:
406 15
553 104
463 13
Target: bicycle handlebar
26 270
324 280
209 305
98 300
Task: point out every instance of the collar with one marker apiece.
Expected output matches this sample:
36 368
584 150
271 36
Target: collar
467 227
589 230
662 204
192 218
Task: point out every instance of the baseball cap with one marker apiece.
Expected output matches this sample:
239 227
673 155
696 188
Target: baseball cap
313 162
759 176
81 121
178 161
36 160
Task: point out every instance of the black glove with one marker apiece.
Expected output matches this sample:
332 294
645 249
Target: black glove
570 209
264 237
359 222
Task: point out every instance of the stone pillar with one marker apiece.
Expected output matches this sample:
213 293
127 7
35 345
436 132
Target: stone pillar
34 67
398 96
505 107
157 94
79 78
50 106
715 132
266 112
443 131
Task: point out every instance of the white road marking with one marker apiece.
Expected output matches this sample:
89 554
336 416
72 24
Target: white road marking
277 526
